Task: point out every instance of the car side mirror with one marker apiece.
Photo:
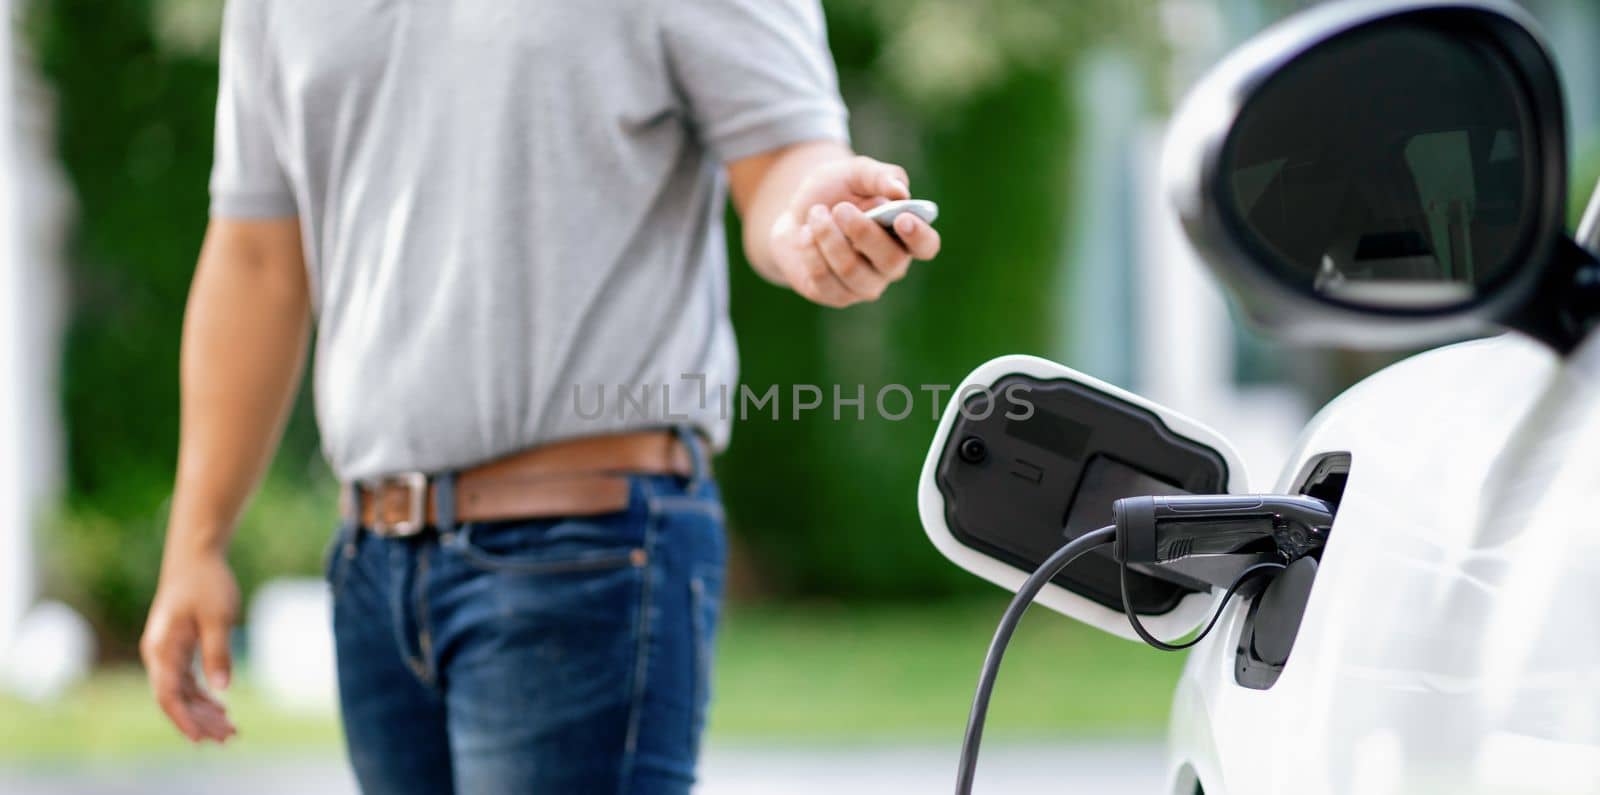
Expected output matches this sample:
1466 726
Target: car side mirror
1030 454
1385 174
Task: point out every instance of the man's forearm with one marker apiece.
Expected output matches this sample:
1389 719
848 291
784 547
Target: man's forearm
244 340
762 189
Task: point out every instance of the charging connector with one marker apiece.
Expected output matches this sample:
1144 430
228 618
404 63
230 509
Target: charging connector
1214 538
1220 540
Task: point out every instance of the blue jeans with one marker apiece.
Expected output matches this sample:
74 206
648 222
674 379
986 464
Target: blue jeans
548 656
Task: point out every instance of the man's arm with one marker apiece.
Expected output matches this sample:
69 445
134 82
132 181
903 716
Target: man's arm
804 225
244 345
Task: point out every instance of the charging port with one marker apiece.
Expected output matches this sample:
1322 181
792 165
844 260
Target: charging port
1325 478
1273 619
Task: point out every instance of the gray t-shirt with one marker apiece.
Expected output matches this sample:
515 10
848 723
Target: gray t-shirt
511 210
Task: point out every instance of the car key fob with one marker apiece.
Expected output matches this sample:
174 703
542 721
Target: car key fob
885 214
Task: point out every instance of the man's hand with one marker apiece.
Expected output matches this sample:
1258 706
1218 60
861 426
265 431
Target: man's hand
244 342
810 202
196 604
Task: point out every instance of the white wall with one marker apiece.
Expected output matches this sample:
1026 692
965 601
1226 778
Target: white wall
42 646
16 569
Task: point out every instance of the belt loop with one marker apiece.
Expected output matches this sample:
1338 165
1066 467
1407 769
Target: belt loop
444 496
697 455
350 525
352 521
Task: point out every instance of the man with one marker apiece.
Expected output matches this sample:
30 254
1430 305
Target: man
484 205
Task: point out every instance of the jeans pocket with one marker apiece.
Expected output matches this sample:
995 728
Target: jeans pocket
705 595
550 547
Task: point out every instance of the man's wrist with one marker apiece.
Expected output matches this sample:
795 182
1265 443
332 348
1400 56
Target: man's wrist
189 536
768 185
185 546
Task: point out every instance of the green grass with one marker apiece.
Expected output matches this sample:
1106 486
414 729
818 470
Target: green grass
791 673
112 716
908 673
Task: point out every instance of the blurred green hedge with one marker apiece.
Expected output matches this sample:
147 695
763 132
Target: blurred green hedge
973 98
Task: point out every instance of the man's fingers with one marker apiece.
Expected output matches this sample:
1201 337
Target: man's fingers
815 281
215 658
874 242
168 654
168 687
194 713
920 238
836 256
207 714
869 178
166 651
194 694
854 270
210 717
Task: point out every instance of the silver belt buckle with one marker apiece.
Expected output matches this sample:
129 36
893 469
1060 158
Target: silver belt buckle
417 516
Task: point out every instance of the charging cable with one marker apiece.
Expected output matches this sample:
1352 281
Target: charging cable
1002 637
1201 540
1144 634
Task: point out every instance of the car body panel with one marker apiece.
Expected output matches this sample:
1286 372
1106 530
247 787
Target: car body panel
1448 641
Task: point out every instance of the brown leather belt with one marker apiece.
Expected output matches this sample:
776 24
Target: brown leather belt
578 477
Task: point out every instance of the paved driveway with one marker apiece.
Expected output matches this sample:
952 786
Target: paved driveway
1103 769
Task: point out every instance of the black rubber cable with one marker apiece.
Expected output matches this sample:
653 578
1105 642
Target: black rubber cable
1133 618
1002 637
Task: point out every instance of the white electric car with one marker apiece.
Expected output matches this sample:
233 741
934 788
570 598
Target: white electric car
1364 174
